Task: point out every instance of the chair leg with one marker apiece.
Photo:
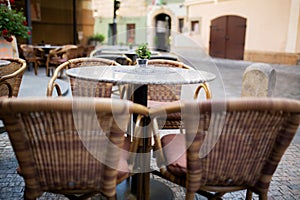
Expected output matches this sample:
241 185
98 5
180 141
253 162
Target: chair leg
190 196
36 68
263 196
249 195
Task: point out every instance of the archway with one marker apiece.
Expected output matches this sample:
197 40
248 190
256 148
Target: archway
162 32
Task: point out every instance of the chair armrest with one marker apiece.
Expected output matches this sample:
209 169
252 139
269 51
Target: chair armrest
8 87
52 84
159 154
205 87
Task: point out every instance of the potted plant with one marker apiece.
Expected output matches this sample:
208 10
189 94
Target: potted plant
143 54
12 23
95 39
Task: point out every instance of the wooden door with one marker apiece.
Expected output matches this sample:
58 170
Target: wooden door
227 37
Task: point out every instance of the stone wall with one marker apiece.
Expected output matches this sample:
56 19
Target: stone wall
272 57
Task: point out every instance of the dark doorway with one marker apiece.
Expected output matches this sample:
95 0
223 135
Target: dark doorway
110 34
227 37
163 27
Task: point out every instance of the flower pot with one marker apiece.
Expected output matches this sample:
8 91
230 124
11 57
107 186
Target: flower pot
9 49
142 62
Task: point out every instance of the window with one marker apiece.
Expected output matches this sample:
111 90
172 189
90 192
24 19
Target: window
195 26
180 25
130 33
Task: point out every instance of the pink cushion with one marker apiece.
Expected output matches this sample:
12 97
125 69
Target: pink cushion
175 153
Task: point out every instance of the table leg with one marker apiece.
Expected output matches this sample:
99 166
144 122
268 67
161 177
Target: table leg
142 186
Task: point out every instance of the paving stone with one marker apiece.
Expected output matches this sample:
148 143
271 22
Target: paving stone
286 180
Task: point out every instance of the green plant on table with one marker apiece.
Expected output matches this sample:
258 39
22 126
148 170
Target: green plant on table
143 52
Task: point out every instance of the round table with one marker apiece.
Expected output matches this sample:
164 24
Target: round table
141 77
4 63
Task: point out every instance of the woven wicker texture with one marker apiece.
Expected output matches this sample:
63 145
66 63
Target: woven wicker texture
83 87
254 134
33 55
58 56
69 146
11 77
166 93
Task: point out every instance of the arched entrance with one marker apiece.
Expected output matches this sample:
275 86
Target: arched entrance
227 37
162 32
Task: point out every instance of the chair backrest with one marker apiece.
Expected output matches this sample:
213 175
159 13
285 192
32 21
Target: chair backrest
11 76
28 52
121 59
165 92
165 57
238 142
68 146
83 87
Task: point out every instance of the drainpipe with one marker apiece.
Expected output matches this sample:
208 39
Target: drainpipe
74 23
28 18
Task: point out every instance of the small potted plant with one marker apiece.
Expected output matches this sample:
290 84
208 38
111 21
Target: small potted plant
96 39
143 54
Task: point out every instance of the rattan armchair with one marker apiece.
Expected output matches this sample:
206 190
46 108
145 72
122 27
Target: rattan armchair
75 147
58 56
82 87
33 55
121 59
228 146
11 77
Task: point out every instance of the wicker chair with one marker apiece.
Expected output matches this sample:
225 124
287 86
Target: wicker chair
11 77
82 87
58 56
159 95
227 151
70 146
121 59
33 55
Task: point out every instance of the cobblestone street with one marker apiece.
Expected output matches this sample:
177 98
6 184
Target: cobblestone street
286 180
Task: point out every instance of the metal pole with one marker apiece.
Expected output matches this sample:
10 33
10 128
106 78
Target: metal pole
114 33
74 23
28 17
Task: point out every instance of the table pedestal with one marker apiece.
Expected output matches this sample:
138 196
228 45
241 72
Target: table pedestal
158 190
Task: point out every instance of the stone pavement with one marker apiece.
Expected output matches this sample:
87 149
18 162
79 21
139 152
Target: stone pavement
286 180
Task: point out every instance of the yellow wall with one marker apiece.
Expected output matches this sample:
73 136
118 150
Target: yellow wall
267 21
56 24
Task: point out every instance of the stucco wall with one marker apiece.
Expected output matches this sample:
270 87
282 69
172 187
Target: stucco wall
267 21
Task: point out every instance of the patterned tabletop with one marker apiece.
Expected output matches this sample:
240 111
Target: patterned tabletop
139 75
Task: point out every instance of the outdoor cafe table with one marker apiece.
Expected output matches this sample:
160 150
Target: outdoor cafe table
141 77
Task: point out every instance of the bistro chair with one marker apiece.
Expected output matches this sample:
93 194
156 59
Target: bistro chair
227 146
11 77
82 87
75 147
58 56
159 95
33 55
121 59
165 57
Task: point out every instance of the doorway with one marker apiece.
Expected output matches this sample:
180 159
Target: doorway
162 32
227 37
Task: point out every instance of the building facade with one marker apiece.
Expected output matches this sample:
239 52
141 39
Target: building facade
143 21
266 31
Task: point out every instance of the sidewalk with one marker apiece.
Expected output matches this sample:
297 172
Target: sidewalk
286 180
